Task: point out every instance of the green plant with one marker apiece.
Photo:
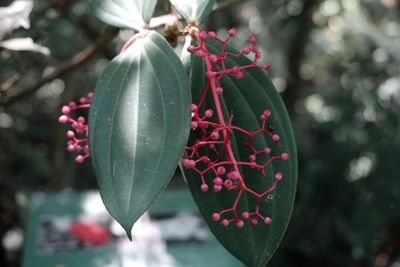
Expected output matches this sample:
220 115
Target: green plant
214 112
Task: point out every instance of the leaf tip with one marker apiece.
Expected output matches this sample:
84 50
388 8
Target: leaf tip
128 231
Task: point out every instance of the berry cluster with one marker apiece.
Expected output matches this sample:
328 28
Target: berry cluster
78 134
215 135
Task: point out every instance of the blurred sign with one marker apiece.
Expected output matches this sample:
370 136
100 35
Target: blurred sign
74 229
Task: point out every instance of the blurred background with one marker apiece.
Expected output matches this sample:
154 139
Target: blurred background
335 62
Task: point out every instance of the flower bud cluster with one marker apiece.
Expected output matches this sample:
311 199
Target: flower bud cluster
78 133
211 155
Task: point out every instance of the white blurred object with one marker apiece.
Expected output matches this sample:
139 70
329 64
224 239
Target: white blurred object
24 44
15 15
13 239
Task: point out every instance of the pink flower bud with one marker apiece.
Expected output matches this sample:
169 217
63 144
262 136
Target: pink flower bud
202 35
65 110
208 113
210 74
82 100
218 181
90 95
267 112
267 150
79 159
216 217
193 125
219 90
263 117
193 107
239 224
228 183
245 215
267 220
70 134
239 75
211 35
205 159
232 32
217 188
63 119
213 59
254 221
252 39
225 222
191 49
72 105
285 156
235 70
221 170
276 138
246 50
278 176
200 53
70 148
252 158
81 119
204 188
214 135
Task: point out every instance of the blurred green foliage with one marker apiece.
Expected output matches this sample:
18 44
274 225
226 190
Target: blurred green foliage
337 65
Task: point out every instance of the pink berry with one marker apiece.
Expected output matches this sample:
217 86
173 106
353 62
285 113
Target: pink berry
191 49
194 125
239 224
211 35
239 75
267 220
65 110
225 222
208 113
219 90
217 188
234 175
252 39
63 119
216 217
285 156
267 150
245 215
218 181
193 107
278 176
90 95
211 146
81 119
263 117
221 170
204 188
214 135
276 138
72 105
254 221
83 100
232 32
79 159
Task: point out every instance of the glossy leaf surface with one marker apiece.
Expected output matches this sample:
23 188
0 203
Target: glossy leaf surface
248 98
196 10
138 126
133 14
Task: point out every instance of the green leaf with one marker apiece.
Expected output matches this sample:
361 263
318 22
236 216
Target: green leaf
138 126
196 10
135 14
248 98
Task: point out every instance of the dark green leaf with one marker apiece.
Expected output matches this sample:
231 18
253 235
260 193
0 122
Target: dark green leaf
248 98
196 10
138 126
135 14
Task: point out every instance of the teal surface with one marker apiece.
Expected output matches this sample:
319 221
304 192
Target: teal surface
208 252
